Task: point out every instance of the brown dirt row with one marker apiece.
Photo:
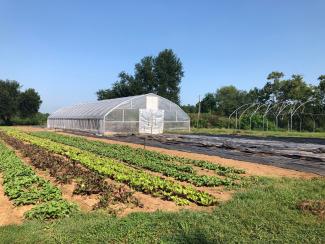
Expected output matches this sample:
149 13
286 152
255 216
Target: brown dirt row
86 203
86 191
250 168
10 214
218 192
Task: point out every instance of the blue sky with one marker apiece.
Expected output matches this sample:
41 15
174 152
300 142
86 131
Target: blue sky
67 50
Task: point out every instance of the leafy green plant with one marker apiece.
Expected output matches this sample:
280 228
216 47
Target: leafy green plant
171 166
137 179
64 171
52 210
23 187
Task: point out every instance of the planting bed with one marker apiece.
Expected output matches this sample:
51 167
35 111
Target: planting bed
65 171
119 177
120 172
301 154
39 172
23 187
172 166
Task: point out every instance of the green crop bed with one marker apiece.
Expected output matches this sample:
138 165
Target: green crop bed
24 187
137 179
176 167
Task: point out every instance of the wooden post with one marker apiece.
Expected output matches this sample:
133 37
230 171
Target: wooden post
198 113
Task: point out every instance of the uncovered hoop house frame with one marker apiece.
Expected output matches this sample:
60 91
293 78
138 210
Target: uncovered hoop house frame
148 113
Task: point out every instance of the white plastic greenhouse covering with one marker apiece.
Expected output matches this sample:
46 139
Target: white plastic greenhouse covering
148 113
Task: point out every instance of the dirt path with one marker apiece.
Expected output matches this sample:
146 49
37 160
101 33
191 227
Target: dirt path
85 203
10 214
251 168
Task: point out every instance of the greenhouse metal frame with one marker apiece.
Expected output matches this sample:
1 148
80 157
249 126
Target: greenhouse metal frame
148 114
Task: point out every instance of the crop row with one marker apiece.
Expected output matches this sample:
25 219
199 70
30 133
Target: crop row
153 156
64 171
137 179
139 158
24 187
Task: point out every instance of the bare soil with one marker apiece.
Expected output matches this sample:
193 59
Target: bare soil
14 215
250 168
316 207
85 203
10 214
149 203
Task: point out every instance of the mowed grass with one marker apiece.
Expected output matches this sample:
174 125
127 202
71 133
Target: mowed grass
216 131
265 212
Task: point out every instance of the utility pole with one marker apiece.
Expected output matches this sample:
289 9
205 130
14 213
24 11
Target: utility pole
198 113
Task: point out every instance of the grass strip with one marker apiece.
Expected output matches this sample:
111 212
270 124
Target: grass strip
267 212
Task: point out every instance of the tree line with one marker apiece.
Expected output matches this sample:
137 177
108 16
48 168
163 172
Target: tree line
17 105
276 90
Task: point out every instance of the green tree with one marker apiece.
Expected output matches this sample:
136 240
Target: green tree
208 103
267 93
253 95
295 89
189 108
145 80
13 102
120 88
272 88
320 92
275 76
9 91
161 75
29 103
322 83
169 72
228 98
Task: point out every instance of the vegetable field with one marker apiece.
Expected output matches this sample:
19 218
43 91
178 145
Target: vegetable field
110 172
76 189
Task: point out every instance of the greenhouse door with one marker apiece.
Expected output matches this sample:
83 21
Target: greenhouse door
151 121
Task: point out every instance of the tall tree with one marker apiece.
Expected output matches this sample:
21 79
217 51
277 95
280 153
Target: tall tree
208 103
320 91
253 96
272 88
120 88
161 75
295 89
275 76
9 91
168 71
322 83
145 80
228 98
29 103
13 102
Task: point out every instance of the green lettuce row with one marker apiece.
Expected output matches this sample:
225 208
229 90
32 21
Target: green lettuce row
138 158
24 187
159 157
137 179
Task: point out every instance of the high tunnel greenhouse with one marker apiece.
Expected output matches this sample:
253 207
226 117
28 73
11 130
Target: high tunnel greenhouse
148 113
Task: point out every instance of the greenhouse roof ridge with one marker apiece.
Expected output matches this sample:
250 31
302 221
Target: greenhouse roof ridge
93 109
